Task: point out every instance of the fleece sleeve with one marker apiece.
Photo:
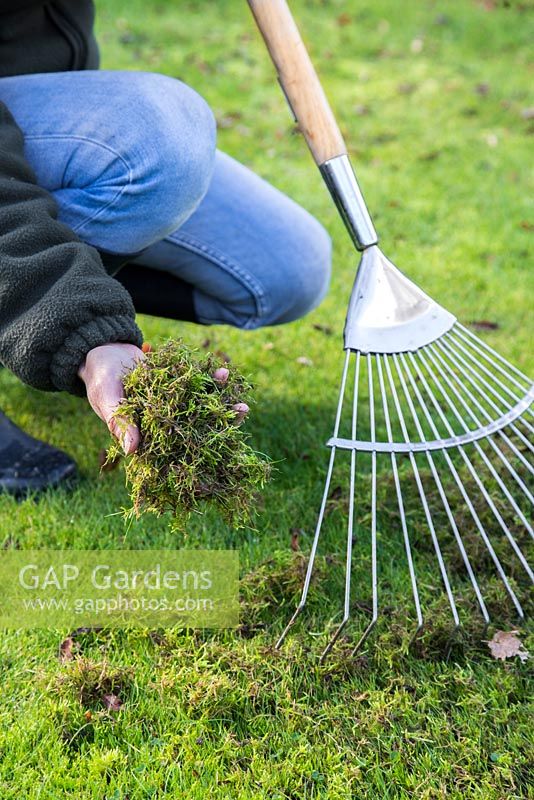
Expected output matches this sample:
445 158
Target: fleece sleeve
57 301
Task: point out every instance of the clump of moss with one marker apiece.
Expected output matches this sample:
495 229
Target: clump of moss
192 452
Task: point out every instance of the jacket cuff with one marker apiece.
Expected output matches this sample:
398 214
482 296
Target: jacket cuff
104 330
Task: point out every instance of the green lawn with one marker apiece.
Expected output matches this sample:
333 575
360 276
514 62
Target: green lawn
432 99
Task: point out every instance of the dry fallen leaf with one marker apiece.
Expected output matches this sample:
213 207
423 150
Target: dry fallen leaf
336 500
223 356
229 119
112 702
326 329
295 536
67 649
482 89
484 325
430 156
344 19
506 644
406 88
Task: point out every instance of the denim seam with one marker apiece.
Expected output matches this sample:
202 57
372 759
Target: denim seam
250 283
33 137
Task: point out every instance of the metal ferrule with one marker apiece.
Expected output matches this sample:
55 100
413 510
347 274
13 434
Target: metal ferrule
341 181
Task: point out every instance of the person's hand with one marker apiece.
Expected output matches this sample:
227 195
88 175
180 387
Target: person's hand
102 373
241 409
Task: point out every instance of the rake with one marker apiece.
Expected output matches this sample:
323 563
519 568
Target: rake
429 405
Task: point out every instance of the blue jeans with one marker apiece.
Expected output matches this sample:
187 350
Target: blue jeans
130 158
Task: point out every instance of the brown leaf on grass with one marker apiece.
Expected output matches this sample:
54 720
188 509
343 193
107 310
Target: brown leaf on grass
482 89
343 20
526 225
295 536
406 88
109 466
112 702
229 119
506 644
67 649
336 499
326 329
430 156
484 325
223 356
206 343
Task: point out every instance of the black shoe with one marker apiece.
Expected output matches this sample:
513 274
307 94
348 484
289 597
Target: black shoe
29 465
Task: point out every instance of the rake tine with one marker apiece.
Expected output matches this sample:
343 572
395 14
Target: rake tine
424 501
479 449
374 574
313 552
477 479
480 346
350 525
490 441
461 331
476 383
407 545
473 416
439 485
485 370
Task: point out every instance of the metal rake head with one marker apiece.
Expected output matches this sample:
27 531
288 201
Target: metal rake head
447 421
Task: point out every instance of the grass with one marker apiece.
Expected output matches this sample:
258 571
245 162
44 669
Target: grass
431 97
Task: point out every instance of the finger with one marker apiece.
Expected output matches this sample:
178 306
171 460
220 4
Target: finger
130 439
109 399
128 435
241 410
221 374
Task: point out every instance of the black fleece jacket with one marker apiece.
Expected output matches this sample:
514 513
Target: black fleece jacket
57 300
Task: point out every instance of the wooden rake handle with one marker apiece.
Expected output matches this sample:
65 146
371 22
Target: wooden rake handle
298 79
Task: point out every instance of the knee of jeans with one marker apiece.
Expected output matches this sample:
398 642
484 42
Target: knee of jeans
171 158
302 276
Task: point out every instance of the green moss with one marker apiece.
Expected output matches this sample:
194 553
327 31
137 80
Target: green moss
192 452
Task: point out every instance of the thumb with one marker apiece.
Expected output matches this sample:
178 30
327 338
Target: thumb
109 398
